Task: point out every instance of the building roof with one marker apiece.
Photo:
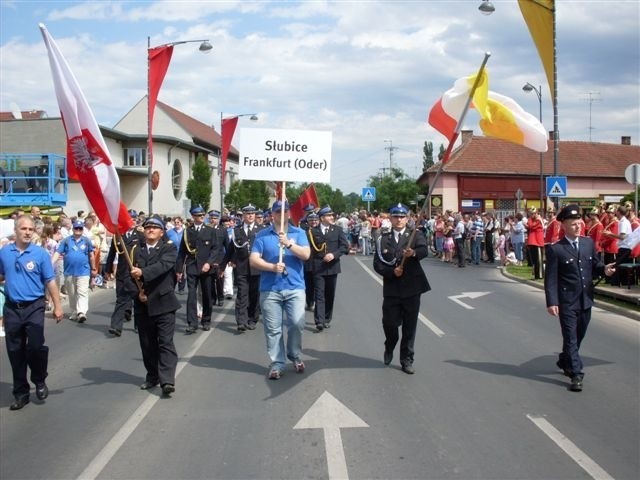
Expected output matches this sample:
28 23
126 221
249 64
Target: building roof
491 156
28 115
201 132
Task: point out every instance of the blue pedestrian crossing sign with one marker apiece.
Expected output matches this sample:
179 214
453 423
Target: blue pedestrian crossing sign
369 194
556 186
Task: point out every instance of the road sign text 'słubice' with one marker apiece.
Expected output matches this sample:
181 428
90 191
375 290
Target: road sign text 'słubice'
285 155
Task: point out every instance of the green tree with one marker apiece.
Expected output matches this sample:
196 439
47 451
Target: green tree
441 153
394 188
199 187
427 158
243 192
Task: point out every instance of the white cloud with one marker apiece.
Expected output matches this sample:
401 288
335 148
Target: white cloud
368 71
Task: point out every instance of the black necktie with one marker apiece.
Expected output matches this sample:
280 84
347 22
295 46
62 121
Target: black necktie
575 244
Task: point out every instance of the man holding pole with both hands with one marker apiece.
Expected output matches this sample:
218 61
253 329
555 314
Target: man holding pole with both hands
279 252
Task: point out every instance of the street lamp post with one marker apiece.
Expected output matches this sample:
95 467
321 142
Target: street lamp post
156 78
530 88
487 9
222 161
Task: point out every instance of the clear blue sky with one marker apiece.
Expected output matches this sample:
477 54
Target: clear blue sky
367 71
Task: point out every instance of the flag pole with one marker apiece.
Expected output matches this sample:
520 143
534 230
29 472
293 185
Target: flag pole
452 141
282 210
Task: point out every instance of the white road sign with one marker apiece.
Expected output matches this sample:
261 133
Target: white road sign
285 155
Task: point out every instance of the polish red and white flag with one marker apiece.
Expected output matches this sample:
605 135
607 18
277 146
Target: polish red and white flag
88 159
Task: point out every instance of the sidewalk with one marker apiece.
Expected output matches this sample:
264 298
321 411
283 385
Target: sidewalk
624 294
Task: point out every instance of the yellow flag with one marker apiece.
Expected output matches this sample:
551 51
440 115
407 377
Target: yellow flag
539 17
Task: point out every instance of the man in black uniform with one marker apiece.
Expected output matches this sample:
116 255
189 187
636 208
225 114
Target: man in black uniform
572 263
197 255
126 289
328 244
217 268
312 221
397 259
155 306
247 280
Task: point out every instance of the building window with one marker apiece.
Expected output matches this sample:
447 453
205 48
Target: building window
135 157
176 179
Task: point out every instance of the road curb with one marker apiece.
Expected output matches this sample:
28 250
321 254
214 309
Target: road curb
604 305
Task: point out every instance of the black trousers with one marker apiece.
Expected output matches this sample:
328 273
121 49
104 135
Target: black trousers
488 246
124 304
217 286
24 329
460 251
156 342
324 295
573 322
400 313
308 288
247 299
535 254
202 281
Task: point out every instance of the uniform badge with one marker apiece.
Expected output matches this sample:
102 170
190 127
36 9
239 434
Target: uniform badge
30 265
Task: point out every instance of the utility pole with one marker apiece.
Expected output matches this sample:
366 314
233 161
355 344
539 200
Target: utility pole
391 148
591 100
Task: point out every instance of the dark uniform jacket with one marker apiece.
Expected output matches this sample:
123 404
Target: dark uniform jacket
388 255
333 241
158 277
569 274
198 248
240 248
133 237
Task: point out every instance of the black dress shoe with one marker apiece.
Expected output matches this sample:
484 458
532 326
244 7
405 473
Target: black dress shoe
565 371
189 330
408 368
168 389
19 403
206 327
242 328
115 331
251 326
326 325
319 327
42 391
576 384
148 384
388 357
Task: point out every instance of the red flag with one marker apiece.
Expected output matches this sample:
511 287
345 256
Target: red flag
297 209
278 190
88 159
159 58
228 128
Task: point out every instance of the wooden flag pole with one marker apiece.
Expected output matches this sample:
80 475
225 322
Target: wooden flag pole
447 153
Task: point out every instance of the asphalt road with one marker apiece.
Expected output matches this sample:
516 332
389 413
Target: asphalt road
486 402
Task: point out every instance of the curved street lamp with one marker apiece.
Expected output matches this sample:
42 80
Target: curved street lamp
527 87
486 7
158 59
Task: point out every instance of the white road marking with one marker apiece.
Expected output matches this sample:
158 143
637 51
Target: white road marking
471 295
331 415
428 323
588 465
111 448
